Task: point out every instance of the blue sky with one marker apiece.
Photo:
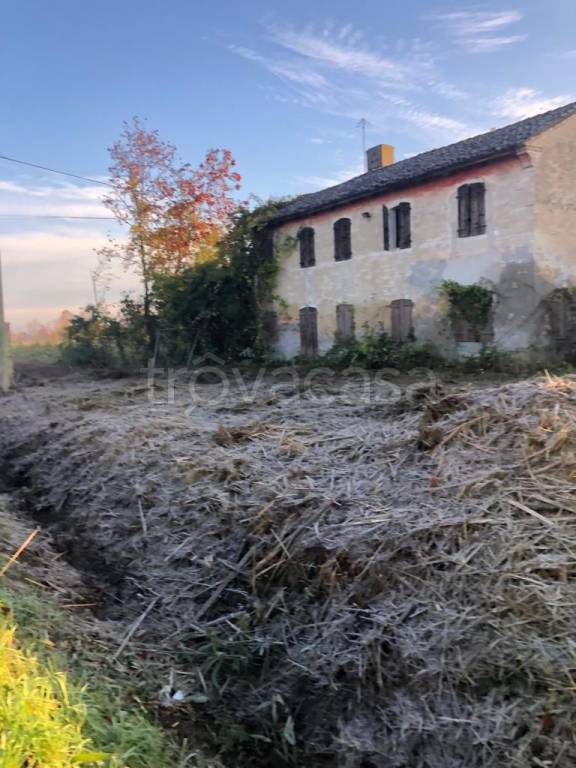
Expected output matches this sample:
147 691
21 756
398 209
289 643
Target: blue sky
281 84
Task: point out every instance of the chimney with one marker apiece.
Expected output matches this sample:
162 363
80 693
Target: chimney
379 156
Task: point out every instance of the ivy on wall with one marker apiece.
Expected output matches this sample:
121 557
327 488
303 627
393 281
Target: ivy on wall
472 303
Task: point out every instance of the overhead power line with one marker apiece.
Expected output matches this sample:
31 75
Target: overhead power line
53 170
45 216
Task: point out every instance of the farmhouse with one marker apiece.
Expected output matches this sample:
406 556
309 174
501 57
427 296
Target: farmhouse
498 208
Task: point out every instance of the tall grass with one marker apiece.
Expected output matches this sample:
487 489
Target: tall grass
102 698
41 716
64 701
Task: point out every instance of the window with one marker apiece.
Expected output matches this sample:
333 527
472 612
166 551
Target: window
464 331
401 323
307 251
386 223
309 332
397 226
471 210
342 240
344 322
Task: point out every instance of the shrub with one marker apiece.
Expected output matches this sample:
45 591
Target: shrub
217 306
98 340
375 349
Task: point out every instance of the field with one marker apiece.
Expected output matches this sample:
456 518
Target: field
312 570
36 353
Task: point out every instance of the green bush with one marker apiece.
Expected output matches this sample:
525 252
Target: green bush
375 349
99 340
216 307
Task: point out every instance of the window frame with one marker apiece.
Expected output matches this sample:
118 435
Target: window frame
342 230
471 199
307 247
397 226
403 213
345 310
308 323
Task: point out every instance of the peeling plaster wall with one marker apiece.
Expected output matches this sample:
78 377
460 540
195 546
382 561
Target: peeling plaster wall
374 277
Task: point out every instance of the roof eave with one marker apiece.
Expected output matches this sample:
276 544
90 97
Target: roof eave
394 187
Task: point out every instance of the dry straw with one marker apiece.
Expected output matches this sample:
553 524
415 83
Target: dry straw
335 583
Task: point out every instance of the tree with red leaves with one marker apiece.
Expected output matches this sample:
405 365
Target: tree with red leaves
175 213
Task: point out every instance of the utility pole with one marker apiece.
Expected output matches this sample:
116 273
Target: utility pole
363 124
6 370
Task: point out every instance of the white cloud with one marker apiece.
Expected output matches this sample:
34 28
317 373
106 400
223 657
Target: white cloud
321 182
49 199
288 70
48 269
401 88
491 44
341 50
480 22
518 103
480 31
336 71
430 121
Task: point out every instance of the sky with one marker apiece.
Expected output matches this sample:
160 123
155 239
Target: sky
281 84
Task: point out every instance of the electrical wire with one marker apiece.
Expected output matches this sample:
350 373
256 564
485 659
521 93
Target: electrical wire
44 216
53 170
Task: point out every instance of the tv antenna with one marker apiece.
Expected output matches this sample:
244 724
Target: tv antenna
363 124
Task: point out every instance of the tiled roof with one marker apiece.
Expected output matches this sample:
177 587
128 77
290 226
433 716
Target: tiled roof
437 162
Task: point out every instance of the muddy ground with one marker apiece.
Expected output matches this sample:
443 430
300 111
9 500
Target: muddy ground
313 561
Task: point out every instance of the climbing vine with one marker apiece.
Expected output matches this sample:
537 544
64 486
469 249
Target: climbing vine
472 303
223 306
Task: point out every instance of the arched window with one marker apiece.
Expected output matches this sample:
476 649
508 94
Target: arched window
307 250
342 240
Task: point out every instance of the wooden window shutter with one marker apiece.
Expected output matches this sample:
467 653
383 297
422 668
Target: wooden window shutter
477 208
342 240
402 324
403 226
344 322
309 332
386 226
464 211
307 250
